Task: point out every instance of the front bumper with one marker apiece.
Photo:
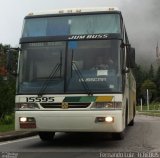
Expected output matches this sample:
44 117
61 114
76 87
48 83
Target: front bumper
71 121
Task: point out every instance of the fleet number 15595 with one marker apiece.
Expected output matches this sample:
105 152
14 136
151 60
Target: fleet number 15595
39 99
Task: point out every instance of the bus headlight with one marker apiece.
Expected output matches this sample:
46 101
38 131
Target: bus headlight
107 105
22 106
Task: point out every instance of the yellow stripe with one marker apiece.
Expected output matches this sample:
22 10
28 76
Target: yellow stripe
104 98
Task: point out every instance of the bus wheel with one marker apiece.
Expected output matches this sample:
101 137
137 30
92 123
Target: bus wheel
118 136
126 116
131 123
46 136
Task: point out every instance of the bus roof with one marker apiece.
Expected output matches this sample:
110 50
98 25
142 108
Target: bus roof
75 10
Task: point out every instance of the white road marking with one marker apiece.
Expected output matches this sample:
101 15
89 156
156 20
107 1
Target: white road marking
19 140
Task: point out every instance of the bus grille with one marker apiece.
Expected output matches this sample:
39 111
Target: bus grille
70 105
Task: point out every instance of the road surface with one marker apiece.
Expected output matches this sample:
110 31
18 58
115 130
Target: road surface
143 137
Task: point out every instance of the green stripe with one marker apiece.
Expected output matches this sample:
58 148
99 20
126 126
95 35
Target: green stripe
85 99
88 99
71 99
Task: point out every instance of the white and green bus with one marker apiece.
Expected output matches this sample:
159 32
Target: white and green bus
75 73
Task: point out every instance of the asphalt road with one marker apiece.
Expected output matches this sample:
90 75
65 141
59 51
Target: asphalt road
143 137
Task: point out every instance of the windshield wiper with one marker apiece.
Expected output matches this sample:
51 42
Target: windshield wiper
82 79
51 77
58 67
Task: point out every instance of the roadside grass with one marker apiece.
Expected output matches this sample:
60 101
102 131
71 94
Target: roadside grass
154 109
6 128
151 114
7 123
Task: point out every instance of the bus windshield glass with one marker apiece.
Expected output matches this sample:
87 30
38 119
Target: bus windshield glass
70 67
71 25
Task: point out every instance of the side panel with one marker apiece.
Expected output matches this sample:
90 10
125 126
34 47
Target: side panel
129 99
132 96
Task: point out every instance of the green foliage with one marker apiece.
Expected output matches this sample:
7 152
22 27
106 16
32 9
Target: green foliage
151 86
148 84
140 76
154 109
147 79
7 88
8 119
4 48
6 128
151 73
7 97
3 54
157 81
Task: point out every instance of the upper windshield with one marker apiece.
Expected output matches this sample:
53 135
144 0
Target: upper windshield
72 25
70 67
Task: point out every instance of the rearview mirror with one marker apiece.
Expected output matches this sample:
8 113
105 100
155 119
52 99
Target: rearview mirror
131 58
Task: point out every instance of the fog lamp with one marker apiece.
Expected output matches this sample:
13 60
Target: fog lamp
27 122
109 119
23 119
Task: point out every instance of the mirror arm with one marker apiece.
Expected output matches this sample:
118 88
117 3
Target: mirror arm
124 45
124 71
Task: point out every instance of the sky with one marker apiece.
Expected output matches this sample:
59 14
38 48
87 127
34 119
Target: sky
141 19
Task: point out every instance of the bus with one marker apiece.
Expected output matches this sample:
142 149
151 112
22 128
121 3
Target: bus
75 73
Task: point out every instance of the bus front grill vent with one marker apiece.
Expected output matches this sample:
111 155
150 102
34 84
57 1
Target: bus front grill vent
59 105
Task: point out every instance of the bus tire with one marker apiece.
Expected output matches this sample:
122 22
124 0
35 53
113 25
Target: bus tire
46 136
131 123
118 136
126 115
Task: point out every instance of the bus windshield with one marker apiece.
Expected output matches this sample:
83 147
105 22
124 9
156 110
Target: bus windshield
71 25
70 67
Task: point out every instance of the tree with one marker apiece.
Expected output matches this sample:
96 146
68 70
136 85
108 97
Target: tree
157 81
7 87
7 97
140 75
151 73
3 59
151 86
